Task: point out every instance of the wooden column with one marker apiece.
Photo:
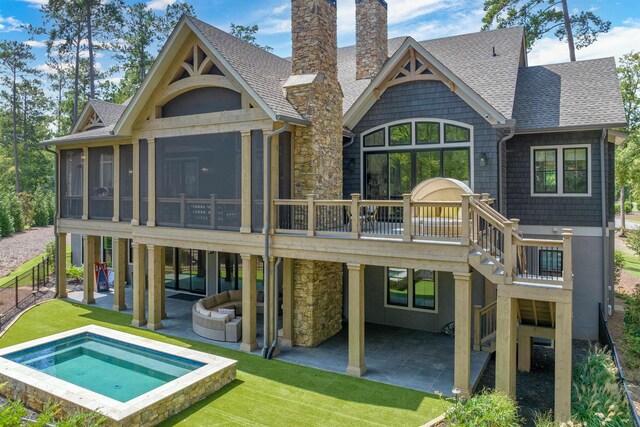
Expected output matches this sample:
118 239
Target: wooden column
89 275
116 183
356 366
287 302
506 345
562 407
151 161
462 354
139 285
85 183
136 182
61 268
119 252
524 352
155 287
249 299
246 183
162 276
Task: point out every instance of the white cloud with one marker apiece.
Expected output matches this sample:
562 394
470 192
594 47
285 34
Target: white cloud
37 3
617 42
456 22
157 4
36 43
275 26
9 24
281 9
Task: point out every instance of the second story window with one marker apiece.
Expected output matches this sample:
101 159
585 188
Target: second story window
560 171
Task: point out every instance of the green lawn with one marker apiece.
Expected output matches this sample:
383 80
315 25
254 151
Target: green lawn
266 393
631 264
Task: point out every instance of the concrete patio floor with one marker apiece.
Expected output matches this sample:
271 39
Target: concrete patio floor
404 357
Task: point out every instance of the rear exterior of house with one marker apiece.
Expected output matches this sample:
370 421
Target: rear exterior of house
412 184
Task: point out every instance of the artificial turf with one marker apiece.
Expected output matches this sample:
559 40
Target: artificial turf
266 392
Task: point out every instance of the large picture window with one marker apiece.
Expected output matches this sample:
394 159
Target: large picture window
560 171
411 289
414 151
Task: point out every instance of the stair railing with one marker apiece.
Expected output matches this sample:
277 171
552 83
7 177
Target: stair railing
484 324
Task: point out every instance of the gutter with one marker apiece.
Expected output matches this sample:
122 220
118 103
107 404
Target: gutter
267 351
603 197
512 131
55 217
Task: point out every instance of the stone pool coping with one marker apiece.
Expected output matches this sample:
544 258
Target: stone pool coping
21 378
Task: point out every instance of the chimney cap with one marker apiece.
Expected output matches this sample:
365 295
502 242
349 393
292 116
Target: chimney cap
382 2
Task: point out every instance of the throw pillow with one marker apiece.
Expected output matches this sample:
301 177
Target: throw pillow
201 310
230 311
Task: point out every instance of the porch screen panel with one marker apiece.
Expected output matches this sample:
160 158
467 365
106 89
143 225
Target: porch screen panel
144 181
257 181
198 181
71 165
126 182
101 183
285 213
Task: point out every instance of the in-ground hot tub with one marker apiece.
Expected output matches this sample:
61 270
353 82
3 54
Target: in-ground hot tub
132 381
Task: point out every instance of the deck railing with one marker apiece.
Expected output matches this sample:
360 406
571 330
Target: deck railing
484 325
211 213
395 219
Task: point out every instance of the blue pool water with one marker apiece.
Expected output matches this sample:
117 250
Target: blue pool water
106 366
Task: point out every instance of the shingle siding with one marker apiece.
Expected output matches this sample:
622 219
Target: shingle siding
426 100
560 211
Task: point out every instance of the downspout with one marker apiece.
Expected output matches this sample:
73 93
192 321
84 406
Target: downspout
603 197
351 141
55 217
276 304
267 237
512 131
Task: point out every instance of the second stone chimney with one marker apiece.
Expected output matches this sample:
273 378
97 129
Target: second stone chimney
371 37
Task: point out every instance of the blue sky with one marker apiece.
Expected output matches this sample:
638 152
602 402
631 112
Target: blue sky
422 19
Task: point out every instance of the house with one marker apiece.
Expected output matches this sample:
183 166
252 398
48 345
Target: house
408 183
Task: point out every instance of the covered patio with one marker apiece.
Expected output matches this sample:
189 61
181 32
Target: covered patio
403 357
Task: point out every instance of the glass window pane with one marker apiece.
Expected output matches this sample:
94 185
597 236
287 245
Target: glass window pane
376 176
427 133
107 251
456 164
575 170
424 289
399 174
545 171
228 274
374 139
454 133
169 268
550 262
398 286
400 134
427 165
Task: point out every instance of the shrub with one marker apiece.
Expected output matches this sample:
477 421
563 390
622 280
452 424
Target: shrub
40 209
6 220
618 266
484 409
15 208
75 272
546 420
616 207
632 330
633 241
11 413
50 250
597 398
628 207
51 207
26 200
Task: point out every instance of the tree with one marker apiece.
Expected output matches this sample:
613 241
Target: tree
628 155
248 34
14 64
540 17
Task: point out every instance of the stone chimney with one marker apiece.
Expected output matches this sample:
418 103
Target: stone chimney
314 36
371 37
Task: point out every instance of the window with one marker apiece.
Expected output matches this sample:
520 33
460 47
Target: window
400 174
107 251
411 289
455 164
560 171
550 262
374 139
400 134
453 133
376 176
427 133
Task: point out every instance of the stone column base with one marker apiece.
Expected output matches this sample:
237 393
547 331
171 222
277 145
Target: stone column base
138 323
154 326
355 371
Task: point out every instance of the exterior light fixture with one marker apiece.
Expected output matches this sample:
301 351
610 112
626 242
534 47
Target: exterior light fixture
483 160
456 392
204 170
130 171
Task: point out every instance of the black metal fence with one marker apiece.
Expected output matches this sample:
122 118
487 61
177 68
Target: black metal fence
605 338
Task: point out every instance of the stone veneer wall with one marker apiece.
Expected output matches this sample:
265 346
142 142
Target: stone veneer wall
371 37
317 161
147 416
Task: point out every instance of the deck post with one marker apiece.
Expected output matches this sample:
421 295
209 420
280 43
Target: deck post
249 299
61 268
163 288
355 215
464 218
135 220
156 284
462 354
506 345
245 207
85 183
139 285
119 248
507 252
116 183
311 215
562 407
567 260
151 183
406 218
287 302
356 366
477 328
89 275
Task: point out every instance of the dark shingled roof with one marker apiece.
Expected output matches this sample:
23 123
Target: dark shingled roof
572 94
108 112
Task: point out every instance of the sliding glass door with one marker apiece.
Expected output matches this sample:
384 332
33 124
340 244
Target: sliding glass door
185 270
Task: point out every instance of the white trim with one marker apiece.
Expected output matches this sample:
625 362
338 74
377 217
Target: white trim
414 146
556 230
560 170
410 293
